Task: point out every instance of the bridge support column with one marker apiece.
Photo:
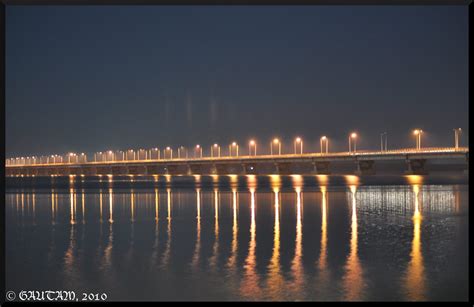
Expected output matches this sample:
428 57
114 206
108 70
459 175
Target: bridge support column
416 167
213 169
189 170
321 168
365 167
249 168
277 169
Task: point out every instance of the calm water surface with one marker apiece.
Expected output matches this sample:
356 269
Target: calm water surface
239 237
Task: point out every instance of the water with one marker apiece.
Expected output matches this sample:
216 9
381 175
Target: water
240 238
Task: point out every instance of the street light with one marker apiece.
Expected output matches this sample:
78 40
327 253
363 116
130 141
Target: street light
353 136
170 151
253 144
111 155
180 152
275 142
236 146
417 133
216 148
198 151
155 153
299 141
382 148
457 132
324 140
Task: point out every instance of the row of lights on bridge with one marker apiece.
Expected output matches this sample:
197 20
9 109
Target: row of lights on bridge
215 151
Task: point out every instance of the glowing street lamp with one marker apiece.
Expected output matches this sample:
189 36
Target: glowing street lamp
69 156
324 140
457 133
217 149
253 144
299 141
275 142
168 150
155 153
353 137
418 133
181 150
109 156
234 146
198 151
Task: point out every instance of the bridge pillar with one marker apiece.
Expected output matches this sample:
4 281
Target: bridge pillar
416 167
365 167
277 168
321 168
249 168
213 169
283 168
189 170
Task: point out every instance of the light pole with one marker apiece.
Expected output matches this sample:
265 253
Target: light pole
253 144
299 141
155 153
417 133
382 147
324 140
353 136
198 151
170 151
182 149
236 146
276 142
457 133
111 155
216 148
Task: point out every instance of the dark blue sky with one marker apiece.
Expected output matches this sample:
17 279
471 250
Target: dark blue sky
91 78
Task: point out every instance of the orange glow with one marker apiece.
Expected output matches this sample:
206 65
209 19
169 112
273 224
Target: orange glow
276 141
197 247
415 276
157 197
111 207
234 144
296 264
414 179
298 139
251 281
323 253
353 135
352 180
353 278
233 258
323 137
215 145
252 142
322 179
275 278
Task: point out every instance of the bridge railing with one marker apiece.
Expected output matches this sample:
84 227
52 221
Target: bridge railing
119 156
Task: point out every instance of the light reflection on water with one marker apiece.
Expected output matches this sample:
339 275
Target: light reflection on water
322 245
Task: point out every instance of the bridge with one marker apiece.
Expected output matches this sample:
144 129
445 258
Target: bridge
415 161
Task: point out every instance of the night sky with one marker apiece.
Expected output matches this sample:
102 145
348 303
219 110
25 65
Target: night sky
92 78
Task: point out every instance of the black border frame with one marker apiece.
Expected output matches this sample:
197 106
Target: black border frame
4 3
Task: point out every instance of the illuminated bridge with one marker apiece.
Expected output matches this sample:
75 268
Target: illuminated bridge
405 161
